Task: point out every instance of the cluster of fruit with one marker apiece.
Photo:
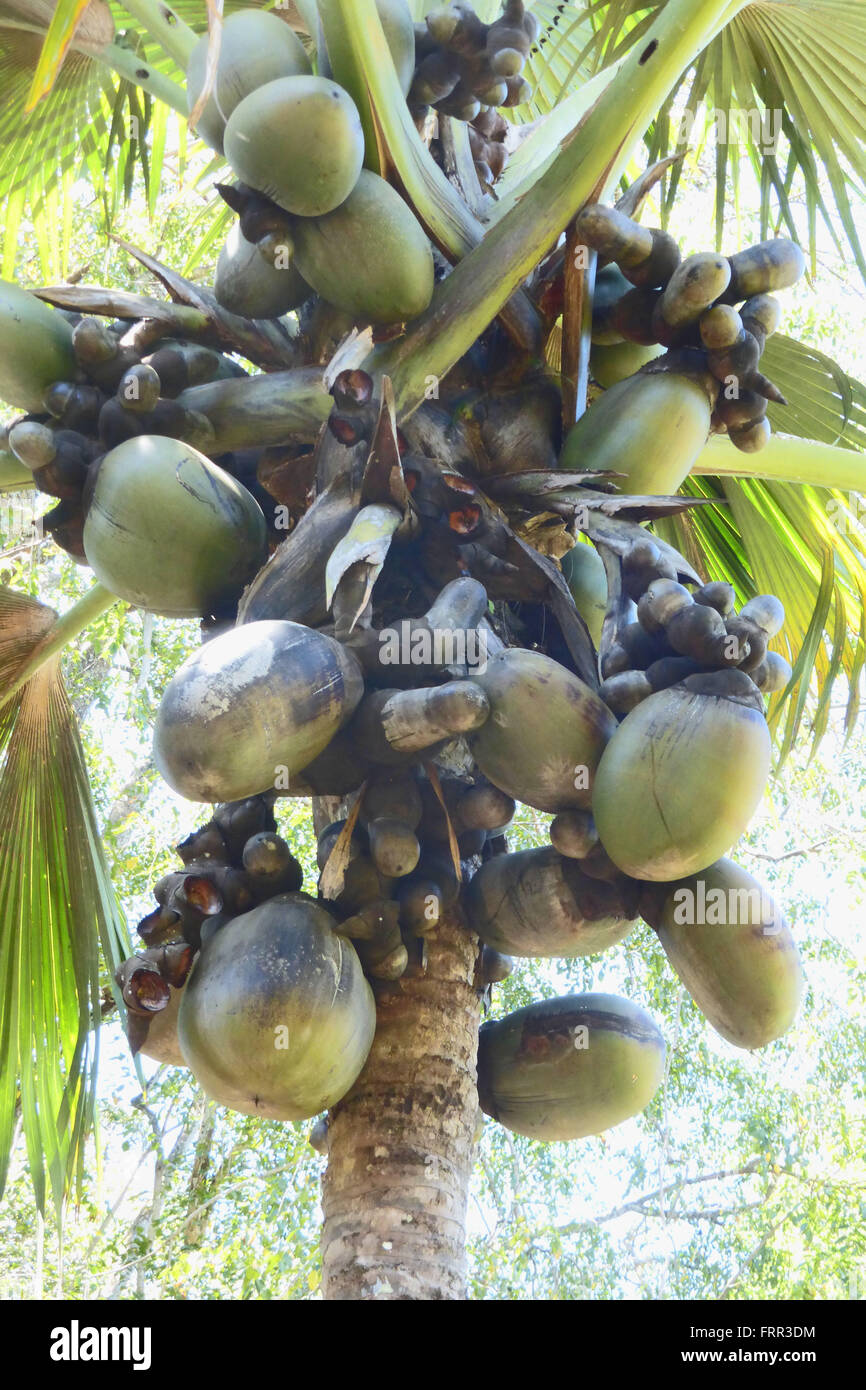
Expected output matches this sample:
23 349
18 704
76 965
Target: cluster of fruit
680 635
642 812
402 862
314 220
649 299
464 65
91 387
230 865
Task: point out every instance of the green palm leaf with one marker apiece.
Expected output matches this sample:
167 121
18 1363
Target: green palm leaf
824 403
804 543
95 119
794 68
57 911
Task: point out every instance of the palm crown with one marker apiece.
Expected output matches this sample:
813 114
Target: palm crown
608 86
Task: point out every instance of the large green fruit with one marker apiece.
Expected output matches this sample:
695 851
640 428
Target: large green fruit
169 531
277 1019
539 903
609 364
546 731
584 573
298 140
35 348
565 1068
256 47
370 257
734 952
246 284
679 782
649 427
251 706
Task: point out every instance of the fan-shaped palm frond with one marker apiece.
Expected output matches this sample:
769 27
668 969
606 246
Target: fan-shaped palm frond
57 911
93 120
781 84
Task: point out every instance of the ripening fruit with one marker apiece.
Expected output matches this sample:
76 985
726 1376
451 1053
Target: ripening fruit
247 284
35 348
545 734
299 141
680 780
729 944
370 257
277 1019
649 427
170 531
256 47
584 573
255 704
565 1068
539 903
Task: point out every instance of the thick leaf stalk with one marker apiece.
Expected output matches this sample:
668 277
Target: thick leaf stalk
593 156
394 145
94 603
786 459
165 27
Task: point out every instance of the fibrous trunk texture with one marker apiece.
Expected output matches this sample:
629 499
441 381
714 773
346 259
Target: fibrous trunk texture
401 1142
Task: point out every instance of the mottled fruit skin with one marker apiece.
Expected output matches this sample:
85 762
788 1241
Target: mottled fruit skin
545 734
370 258
256 47
246 284
255 704
277 1019
732 949
650 428
35 348
170 531
538 903
565 1068
299 141
679 782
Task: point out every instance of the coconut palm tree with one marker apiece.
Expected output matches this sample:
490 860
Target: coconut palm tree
612 89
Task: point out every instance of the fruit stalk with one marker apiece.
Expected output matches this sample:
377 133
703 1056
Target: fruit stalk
262 410
132 68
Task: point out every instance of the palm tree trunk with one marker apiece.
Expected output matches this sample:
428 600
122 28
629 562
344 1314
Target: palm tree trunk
401 1142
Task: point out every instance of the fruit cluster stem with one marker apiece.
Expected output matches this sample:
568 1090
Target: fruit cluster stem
786 459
